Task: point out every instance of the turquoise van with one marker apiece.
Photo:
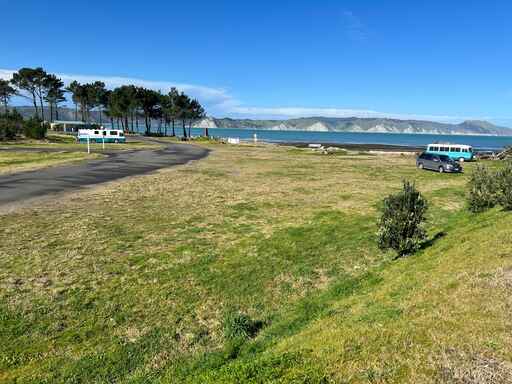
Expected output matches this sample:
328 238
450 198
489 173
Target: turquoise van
459 152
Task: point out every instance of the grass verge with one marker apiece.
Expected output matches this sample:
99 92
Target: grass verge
132 281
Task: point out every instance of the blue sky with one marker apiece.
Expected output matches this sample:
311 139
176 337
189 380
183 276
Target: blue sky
440 60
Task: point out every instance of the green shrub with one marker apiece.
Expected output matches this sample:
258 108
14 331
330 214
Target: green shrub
400 225
238 325
10 125
504 186
483 188
34 129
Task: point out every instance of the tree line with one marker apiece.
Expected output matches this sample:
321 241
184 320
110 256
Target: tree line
124 106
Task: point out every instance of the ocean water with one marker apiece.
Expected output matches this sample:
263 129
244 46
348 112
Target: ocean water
480 143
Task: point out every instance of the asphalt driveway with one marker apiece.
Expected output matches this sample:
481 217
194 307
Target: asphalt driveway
15 188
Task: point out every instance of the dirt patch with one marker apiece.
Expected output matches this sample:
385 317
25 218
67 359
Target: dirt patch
461 368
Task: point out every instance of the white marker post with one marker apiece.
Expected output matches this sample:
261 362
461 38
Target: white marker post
103 142
88 145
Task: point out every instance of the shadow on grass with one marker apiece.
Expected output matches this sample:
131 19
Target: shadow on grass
430 242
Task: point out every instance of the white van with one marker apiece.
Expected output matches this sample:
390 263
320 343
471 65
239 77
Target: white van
101 135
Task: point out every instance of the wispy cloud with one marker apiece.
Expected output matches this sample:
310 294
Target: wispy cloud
220 102
355 28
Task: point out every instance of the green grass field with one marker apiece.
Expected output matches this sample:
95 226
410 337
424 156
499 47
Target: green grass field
131 282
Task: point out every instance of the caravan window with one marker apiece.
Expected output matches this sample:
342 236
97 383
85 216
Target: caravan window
445 149
121 133
104 133
113 133
454 149
96 132
434 149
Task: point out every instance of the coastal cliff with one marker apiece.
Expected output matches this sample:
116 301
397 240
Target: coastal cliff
355 124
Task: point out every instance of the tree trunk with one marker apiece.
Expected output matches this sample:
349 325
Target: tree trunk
206 132
126 122
76 111
189 129
51 111
173 132
34 100
148 127
56 112
42 110
184 129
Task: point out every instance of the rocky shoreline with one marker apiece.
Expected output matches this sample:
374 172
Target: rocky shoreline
359 147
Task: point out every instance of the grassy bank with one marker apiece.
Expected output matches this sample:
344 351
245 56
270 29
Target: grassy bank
131 282
56 149
57 140
17 161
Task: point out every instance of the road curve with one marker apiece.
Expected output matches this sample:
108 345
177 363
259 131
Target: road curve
18 187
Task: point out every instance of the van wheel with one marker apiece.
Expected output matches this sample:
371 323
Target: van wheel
461 160
420 165
441 170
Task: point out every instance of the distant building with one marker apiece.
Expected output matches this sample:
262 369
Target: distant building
70 126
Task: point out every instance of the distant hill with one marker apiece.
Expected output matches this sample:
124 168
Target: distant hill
356 124
328 124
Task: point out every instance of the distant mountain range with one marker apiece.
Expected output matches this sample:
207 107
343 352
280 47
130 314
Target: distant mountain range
356 124
328 124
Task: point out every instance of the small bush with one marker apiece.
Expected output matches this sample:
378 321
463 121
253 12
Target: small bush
482 190
400 226
34 129
10 125
504 186
238 325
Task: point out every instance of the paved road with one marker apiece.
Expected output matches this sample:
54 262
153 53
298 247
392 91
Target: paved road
16 188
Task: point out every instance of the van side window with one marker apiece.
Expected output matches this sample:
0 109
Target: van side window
121 133
104 133
113 133
96 132
455 149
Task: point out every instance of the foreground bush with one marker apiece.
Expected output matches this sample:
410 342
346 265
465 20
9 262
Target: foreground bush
400 226
34 129
482 187
504 186
11 124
